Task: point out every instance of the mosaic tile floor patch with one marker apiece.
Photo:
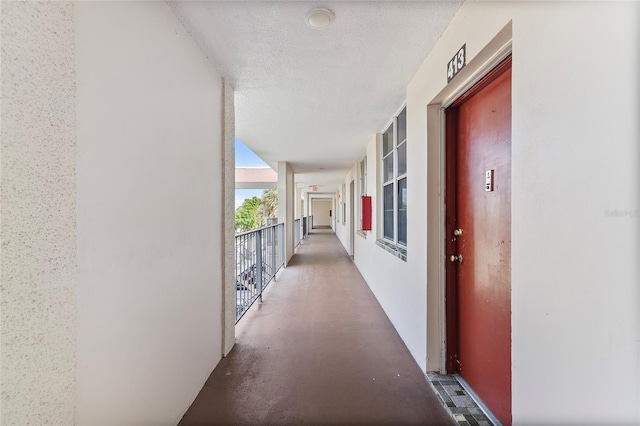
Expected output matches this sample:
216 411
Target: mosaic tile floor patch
463 408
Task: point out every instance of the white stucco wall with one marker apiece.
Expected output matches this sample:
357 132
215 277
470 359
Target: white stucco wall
399 286
575 297
149 214
286 207
297 203
343 228
38 265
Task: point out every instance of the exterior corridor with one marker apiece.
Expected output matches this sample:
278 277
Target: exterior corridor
318 350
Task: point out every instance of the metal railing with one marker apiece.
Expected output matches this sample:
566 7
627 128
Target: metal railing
307 224
296 227
259 256
301 229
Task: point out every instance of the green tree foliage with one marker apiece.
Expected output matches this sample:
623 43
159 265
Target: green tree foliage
246 215
254 212
269 204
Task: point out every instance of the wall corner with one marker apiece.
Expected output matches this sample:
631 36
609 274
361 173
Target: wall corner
228 225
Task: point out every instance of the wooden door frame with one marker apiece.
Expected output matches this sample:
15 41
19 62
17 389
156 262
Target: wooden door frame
486 59
451 210
450 223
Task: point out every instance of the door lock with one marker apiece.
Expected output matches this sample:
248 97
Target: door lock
457 232
455 258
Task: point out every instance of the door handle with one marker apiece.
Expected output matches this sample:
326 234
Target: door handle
455 258
457 232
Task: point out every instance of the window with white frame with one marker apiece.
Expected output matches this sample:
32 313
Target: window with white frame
394 181
363 185
363 176
344 203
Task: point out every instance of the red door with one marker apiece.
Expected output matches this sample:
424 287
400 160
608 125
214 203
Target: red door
479 212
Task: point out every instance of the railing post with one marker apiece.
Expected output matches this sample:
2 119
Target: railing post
273 253
281 243
259 261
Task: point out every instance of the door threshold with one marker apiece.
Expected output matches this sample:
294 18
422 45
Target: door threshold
462 402
477 400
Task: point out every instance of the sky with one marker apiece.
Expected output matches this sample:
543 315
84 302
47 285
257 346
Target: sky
246 158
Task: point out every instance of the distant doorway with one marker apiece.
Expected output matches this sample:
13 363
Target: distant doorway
321 212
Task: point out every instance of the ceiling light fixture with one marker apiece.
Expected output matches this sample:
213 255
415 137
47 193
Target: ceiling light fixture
320 18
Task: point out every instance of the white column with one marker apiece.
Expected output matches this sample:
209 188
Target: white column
299 208
228 225
286 195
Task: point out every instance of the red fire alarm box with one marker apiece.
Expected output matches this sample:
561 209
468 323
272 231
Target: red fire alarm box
366 213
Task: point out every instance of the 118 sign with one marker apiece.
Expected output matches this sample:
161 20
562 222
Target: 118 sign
456 63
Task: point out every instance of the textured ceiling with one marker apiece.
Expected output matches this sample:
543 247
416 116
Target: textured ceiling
312 97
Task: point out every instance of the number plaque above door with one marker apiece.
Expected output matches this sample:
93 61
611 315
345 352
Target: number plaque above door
456 63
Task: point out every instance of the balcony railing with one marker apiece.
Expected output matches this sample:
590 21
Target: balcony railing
259 256
296 227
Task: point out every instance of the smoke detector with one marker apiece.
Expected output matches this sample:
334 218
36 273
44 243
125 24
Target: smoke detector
319 18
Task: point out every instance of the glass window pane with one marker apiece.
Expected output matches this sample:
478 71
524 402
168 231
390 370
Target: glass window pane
402 227
402 159
402 194
388 225
388 211
387 172
388 198
387 141
363 176
402 125
402 211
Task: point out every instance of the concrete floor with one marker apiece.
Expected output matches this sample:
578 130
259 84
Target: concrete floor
318 351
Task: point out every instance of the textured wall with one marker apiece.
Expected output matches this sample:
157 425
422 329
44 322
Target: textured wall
228 240
38 267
